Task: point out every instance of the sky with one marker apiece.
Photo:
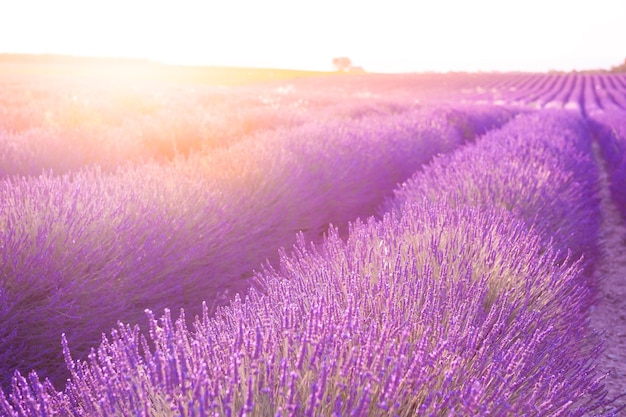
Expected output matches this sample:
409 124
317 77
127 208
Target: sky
380 36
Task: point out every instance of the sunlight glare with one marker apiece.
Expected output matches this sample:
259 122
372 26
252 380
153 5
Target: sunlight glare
397 36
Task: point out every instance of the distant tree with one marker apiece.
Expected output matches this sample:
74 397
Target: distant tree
342 63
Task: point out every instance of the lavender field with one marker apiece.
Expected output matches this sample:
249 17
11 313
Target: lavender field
337 245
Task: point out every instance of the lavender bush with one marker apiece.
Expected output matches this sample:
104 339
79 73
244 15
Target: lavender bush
366 329
443 307
547 177
75 126
86 249
65 126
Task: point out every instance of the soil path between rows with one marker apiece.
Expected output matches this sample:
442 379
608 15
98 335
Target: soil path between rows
609 314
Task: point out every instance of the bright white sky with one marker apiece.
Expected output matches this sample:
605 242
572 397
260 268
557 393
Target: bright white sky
385 36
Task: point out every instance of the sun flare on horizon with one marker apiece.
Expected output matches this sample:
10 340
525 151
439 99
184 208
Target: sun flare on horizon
401 36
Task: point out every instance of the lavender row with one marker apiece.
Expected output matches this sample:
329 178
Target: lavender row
589 94
439 307
558 197
81 251
66 126
44 126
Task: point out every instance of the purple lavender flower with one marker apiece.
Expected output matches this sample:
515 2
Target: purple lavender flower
440 306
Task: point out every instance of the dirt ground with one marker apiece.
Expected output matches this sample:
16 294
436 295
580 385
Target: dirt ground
609 315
